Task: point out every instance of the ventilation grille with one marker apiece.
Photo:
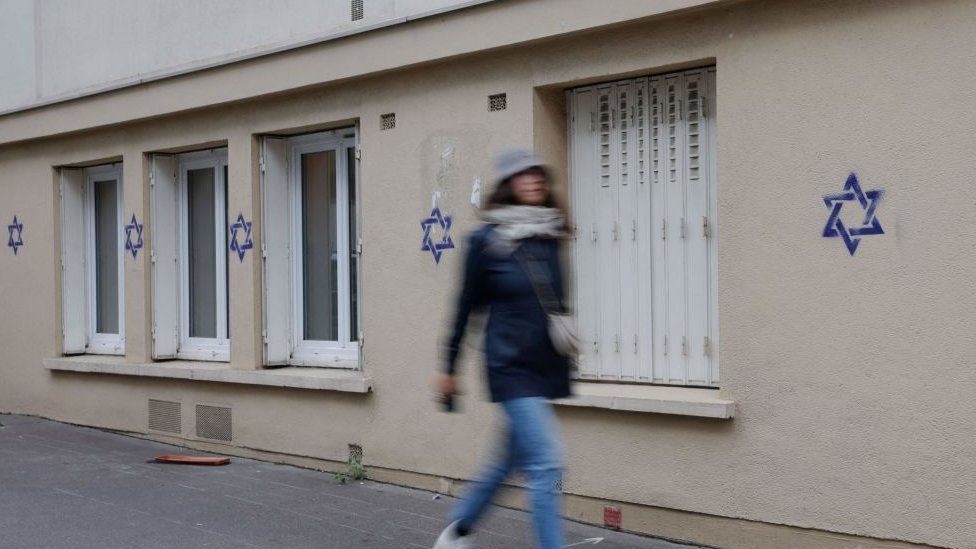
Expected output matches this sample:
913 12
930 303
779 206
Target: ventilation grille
214 422
164 416
355 453
357 10
497 102
388 121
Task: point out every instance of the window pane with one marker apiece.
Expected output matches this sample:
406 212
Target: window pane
353 248
106 257
320 269
202 259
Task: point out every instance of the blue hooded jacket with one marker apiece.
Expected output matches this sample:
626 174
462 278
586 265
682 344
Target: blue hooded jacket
519 355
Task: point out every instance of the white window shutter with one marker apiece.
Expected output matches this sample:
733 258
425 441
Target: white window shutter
677 229
73 253
697 215
584 169
644 233
657 160
627 342
163 195
711 142
275 241
607 232
643 179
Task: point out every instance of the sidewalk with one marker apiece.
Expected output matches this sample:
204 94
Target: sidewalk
63 486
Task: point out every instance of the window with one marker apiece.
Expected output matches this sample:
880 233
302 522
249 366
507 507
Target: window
92 261
311 303
642 163
189 256
203 256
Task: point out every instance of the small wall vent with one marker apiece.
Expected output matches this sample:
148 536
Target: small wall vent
214 422
165 416
355 453
497 102
388 121
357 10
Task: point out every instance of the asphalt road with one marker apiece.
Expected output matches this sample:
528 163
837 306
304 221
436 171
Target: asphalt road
63 486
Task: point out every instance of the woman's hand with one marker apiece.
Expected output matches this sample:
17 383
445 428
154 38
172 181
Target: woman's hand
446 385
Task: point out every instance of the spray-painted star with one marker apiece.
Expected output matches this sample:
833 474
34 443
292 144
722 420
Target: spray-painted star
136 227
17 227
869 203
444 222
244 227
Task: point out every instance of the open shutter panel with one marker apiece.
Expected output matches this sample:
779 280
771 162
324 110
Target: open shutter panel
275 229
164 197
73 286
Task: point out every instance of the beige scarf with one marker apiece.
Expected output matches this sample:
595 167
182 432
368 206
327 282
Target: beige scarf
515 223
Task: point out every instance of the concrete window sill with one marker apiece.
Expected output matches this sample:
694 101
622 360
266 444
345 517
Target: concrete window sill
682 401
315 379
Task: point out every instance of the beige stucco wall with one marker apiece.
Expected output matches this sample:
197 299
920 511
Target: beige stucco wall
852 376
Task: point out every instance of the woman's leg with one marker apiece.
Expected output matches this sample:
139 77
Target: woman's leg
480 493
538 453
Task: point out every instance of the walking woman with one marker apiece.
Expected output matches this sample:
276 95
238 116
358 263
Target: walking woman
513 270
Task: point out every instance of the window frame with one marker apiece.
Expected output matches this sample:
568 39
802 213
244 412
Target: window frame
345 351
98 343
203 348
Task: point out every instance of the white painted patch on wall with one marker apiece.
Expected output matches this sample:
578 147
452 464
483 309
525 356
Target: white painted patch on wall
476 193
435 197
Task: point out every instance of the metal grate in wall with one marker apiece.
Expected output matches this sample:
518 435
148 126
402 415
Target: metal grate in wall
214 422
357 10
387 121
497 102
356 453
165 416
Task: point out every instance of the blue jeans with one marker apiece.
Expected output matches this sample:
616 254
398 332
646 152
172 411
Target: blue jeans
532 447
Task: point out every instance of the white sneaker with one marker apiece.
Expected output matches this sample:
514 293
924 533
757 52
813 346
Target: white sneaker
449 539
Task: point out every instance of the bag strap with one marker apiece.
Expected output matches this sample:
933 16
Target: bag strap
541 283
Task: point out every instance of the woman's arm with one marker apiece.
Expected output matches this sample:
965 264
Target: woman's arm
471 296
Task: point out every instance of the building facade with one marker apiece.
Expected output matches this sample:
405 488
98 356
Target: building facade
255 251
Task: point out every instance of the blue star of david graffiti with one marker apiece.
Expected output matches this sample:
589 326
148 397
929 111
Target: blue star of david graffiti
444 222
130 246
17 227
241 247
869 203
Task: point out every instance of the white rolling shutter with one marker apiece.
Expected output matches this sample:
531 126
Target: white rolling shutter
164 253
275 227
642 169
73 253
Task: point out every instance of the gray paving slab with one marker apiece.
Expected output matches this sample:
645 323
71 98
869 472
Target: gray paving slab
64 486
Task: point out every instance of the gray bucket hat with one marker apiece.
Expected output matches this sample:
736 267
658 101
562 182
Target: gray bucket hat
512 161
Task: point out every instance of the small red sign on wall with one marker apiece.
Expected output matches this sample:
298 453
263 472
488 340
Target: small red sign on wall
611 517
